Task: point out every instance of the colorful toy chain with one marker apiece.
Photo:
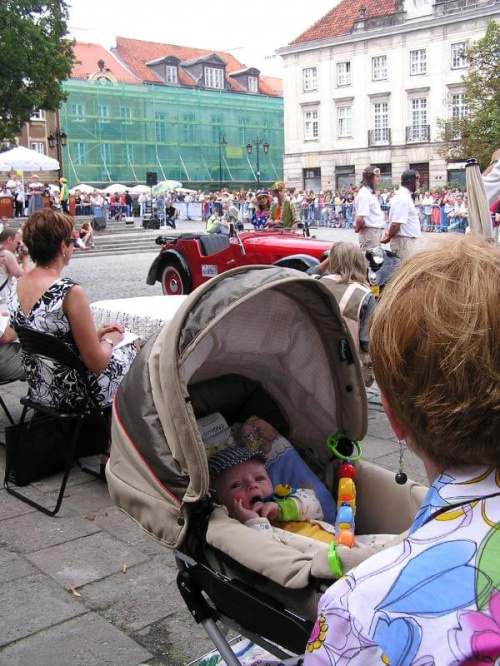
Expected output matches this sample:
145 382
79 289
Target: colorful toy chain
347 451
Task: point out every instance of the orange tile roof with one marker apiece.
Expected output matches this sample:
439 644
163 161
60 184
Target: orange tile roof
340 20
136 53
85 64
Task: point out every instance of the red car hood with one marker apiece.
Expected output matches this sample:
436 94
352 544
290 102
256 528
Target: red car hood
286 242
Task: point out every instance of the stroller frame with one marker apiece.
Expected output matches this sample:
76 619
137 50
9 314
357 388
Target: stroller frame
259 323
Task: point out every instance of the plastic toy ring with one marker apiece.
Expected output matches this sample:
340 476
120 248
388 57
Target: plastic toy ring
333 442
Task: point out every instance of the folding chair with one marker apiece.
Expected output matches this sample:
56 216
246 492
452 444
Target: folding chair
2 403
47 346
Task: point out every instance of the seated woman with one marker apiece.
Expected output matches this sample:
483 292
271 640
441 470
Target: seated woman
47 302
347 281
262 206
433 599
87 234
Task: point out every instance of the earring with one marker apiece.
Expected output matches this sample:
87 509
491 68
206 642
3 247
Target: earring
64 255
401 477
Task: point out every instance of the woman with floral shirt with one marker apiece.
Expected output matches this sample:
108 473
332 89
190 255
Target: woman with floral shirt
434 599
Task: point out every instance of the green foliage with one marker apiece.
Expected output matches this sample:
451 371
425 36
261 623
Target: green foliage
477 134
35 60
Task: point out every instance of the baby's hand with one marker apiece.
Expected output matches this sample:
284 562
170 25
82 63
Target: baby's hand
242 514
269 510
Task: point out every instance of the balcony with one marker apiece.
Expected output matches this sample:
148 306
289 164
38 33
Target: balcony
445 7
418 133
379 137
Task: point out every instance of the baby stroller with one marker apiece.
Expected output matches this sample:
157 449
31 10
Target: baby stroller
265 341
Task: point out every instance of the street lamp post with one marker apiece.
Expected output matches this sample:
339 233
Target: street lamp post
258 142
58 140
222 142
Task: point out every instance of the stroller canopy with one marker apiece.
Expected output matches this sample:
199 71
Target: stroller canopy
275 328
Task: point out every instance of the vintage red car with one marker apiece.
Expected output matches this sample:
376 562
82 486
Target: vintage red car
187 260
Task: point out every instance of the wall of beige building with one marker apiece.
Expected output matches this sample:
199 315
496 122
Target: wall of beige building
329 151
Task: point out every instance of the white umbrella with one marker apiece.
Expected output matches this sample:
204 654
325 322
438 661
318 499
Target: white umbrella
86 189
116 187
24 159
140 189
478 211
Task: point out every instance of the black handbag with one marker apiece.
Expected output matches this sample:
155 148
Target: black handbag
40 446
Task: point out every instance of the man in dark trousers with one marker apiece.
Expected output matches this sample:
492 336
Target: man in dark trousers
170 215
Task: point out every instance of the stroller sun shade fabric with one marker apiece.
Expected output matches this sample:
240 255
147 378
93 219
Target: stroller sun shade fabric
272 326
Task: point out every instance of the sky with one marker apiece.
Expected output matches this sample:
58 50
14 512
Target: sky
251 30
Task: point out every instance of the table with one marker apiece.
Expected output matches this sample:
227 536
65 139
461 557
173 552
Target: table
143 315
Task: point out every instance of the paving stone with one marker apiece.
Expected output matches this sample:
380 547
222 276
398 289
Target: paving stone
14 566
30 604
11 506
413 467
29 533
175 641
52 483
85 560
144 594
84 641
378 426
88 497
115 522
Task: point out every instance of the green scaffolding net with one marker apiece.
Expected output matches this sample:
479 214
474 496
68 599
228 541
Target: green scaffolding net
119 132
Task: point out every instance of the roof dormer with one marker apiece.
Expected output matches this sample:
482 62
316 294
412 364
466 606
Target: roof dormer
248 79
207 71
166 69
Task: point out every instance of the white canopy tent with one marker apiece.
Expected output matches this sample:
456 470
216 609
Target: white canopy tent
23 159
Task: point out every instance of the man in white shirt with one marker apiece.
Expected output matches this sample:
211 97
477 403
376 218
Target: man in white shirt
369 220
404 224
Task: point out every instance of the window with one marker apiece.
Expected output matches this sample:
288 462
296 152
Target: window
310 78
418 62
189 128
458 55
214 78
253 84
344 116
216 128
458 106
126 114
344 74
171 74
381 122
78 111
311 125
244 122
419 112
103 112
37 114
379 68
79 153
419 130
106 153
38 146
128 153
160 127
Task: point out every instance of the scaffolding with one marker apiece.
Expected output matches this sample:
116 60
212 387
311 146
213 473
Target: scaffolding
119 132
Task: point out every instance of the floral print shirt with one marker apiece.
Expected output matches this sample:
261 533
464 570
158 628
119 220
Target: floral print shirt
434 599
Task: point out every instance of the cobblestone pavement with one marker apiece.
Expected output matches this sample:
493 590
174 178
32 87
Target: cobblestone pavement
118 618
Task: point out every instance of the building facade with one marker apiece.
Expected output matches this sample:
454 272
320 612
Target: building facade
367 84
185 114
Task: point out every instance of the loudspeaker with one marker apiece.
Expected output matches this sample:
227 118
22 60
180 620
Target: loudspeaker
98 223
151 178
153 223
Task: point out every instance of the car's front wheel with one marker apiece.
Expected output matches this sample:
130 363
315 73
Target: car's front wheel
174 280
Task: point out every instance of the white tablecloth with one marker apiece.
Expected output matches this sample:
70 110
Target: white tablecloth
143 316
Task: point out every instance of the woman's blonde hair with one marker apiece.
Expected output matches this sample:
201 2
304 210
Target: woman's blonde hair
347 260
434 343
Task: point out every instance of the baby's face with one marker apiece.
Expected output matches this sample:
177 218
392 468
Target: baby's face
247 482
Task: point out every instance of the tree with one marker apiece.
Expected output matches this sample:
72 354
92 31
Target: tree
477 134
35 60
